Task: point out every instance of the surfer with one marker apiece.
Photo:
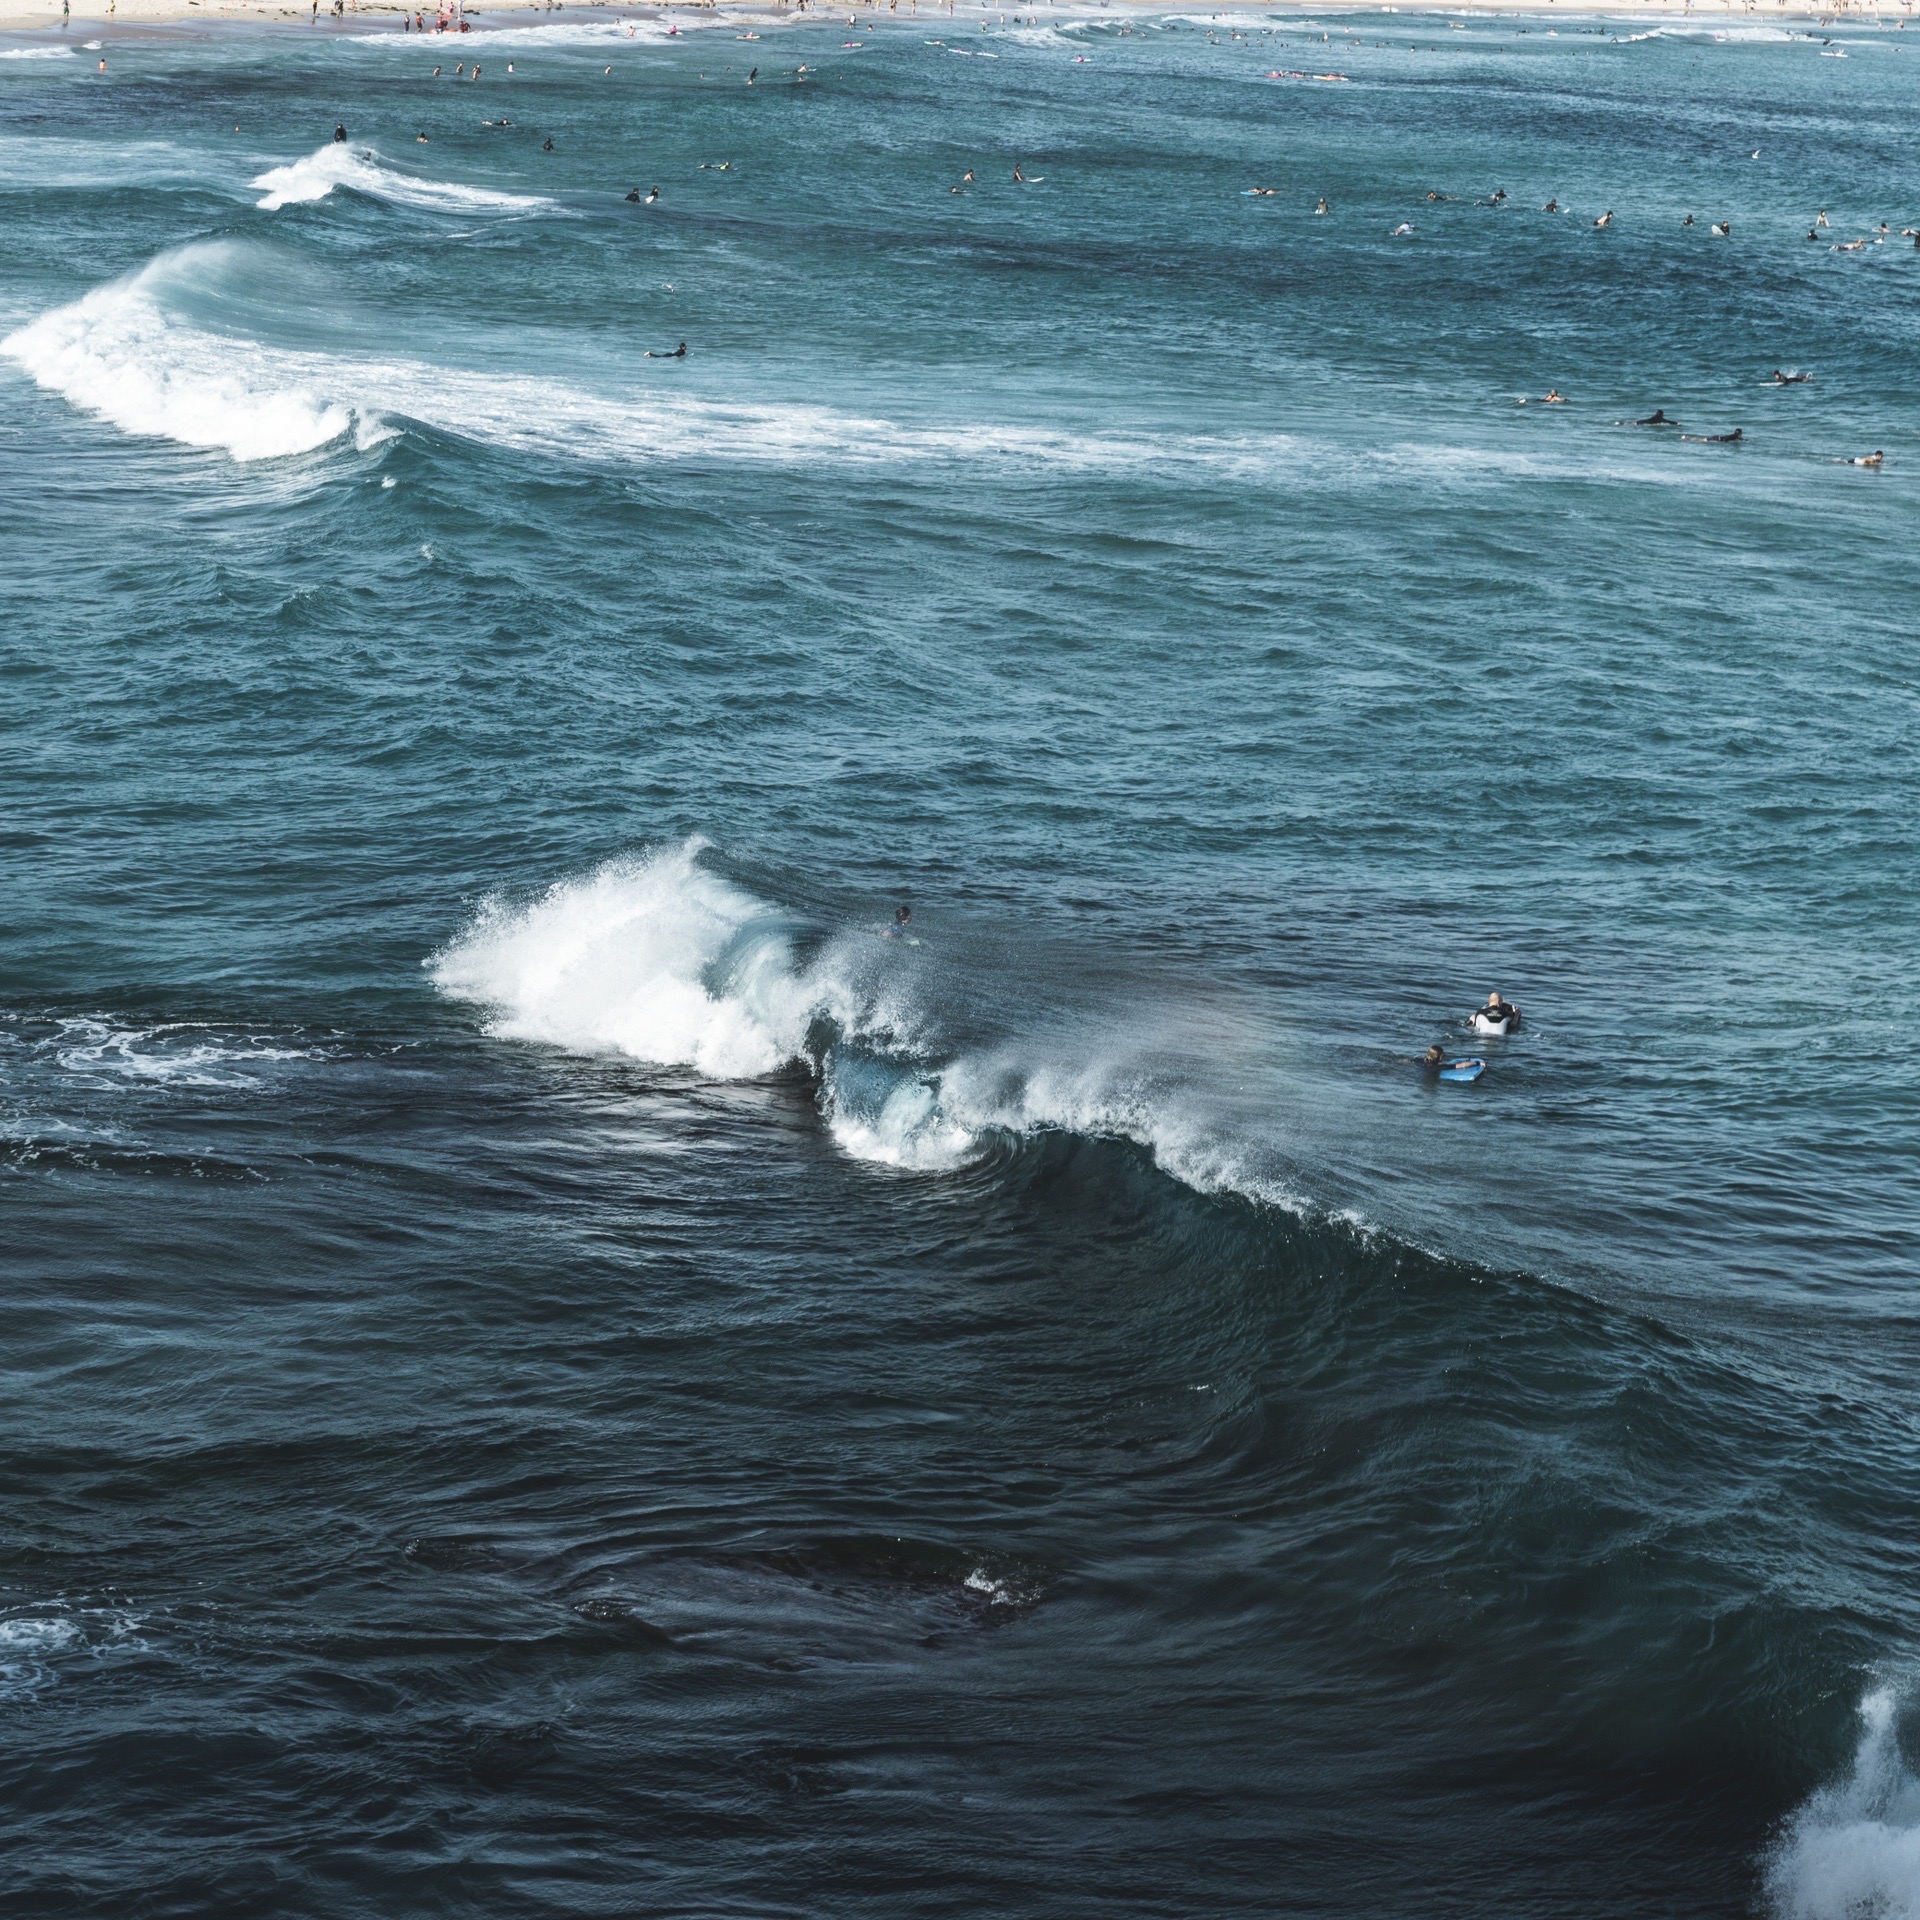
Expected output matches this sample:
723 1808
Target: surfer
1433 1059
679 353
1497 1016
546 146
633 195
898 931
1657 418
340 132
1322 207
1874 459
1552 206
1715 439
1781 379
1605 220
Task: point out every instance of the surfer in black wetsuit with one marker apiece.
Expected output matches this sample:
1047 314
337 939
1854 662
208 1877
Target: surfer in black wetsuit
1433 1060
340 132
1657 418
1497 1010
679 353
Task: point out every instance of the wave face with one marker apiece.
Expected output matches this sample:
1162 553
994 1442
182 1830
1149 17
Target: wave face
1853 1850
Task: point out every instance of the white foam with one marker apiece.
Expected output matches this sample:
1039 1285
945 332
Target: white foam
171 1054
643 957
1852 1852
36 53
339 165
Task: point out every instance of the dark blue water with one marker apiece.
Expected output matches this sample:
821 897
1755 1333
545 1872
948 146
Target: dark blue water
551 1370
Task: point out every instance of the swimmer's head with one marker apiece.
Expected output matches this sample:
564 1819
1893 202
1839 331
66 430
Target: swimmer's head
901 915
1493 999
1433 1056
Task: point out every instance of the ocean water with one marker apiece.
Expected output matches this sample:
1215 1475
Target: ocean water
550 1370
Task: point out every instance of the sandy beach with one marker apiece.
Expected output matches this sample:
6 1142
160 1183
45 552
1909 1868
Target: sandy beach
46 16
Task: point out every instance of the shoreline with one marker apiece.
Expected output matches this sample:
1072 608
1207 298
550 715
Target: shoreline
41 20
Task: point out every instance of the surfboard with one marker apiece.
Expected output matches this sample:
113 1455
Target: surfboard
1465 1071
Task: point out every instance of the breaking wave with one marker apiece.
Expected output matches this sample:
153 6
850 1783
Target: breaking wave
663 960
339 165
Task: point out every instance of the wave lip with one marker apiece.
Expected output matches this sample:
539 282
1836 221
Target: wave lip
1852 1852
36 53
300 182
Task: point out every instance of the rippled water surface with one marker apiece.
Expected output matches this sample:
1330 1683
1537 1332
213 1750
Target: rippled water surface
551 1370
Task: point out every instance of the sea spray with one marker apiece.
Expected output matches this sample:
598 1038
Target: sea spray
1852 1852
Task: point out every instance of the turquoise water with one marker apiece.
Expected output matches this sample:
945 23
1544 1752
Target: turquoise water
553 1370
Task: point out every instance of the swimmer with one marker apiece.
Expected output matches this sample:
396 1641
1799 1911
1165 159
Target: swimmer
1605 220
1657 418
1553 397
1399 230
898 931
1321 206
1552 206
1433 1059
679 353
633 195
1790 379
546 146
1715 439
1874 459
421 138
1821 220
1688 221
1497 1016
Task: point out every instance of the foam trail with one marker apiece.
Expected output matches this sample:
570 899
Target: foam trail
37 53
1852 1852
337 165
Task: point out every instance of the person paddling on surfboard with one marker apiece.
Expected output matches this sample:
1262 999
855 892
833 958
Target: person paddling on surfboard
898 931
1497 1016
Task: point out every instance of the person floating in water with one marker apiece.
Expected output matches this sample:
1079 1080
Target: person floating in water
1606 219
653 194
1873 459
1781 379
546 146
1497 1016
898 931
633 194
1433 1060
1716 439
679 353
1657 418
340 132
1552 206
